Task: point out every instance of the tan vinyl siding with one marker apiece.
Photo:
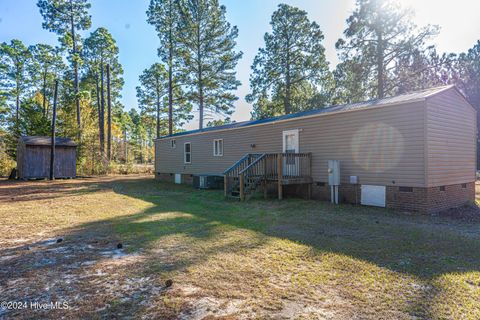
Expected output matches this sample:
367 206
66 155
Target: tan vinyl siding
451 135
383 146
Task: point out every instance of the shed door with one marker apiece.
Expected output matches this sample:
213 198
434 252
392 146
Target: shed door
290 145
373 195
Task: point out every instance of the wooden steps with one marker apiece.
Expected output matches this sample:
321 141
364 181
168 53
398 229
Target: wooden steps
254 170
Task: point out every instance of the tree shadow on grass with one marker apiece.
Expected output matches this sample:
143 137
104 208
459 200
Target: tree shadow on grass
28 267
422 246
37 190
419 246
180 220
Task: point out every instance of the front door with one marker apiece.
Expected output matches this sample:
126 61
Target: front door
290 145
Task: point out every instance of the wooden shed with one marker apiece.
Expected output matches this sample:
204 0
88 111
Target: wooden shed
33 157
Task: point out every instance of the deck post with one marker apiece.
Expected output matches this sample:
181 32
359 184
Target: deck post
280 175
242 185
310 185
225 187
265 178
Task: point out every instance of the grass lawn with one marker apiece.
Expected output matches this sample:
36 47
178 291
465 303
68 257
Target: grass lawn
291 259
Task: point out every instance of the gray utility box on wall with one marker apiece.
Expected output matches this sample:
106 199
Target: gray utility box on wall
334 179
334 172
208 182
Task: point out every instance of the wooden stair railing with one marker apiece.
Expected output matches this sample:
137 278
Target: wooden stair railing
252 176
232 176
244 177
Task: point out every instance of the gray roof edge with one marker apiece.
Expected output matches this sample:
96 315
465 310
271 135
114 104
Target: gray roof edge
46 141
368 104
457 89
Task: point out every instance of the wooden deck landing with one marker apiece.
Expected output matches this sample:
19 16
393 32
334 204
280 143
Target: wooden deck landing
254 170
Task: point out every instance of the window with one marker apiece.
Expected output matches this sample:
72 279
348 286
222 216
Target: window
187 152
218 147
405 189
464 185
442 188
173 143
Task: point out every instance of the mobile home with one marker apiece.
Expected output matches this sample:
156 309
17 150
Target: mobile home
414 152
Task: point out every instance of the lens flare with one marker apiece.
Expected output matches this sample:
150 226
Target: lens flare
377 147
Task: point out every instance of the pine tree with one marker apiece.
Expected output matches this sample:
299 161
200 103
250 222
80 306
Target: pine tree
350 84
218 122
468 65
208 57
99 51
164 15
47 64
378 34
66 18
289 71
14 78
423 69
152 97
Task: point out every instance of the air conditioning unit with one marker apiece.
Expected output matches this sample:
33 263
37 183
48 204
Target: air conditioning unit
208 182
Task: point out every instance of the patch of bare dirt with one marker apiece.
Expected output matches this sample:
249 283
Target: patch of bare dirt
77 271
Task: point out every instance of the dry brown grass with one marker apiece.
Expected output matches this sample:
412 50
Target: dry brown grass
228 260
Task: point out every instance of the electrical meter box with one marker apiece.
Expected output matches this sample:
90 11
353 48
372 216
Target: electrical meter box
334 172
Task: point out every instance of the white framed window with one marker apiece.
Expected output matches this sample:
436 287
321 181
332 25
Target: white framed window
173 143
187 152
218 147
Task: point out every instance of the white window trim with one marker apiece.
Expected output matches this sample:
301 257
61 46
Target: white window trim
185 153
219 154
297 138
173 143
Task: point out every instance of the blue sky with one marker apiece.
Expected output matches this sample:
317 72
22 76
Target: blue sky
138 42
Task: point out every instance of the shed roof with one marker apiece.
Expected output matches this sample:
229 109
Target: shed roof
399 99
46 141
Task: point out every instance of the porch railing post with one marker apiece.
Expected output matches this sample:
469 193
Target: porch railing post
280 175
225 184
265 177
242 186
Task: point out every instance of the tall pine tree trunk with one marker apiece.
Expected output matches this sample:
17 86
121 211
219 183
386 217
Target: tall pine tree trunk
102 111
287 101
200 96
200 74
125 143
17 102
200 93
54 120
170 72
44 102
157 87
170 95
75 71
288 84
101 128
380 65
109 119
